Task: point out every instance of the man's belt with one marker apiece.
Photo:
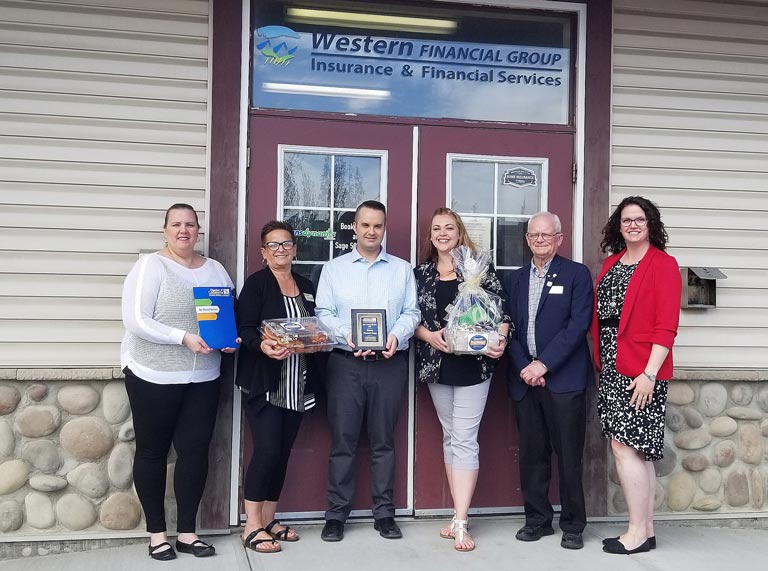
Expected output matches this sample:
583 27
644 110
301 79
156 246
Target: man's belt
609 322
378 356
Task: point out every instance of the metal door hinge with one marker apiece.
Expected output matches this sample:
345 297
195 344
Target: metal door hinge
247 157
574 173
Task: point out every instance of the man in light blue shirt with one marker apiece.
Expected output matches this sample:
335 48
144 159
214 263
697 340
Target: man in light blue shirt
366 384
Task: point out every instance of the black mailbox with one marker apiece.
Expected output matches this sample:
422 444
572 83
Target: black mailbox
700 287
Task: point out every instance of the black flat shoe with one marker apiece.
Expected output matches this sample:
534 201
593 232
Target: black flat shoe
617 547
198 548
533 532
387 528
165 555
651 541
333 530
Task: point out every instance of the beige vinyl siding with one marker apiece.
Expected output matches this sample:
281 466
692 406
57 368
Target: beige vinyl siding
103 125
690 131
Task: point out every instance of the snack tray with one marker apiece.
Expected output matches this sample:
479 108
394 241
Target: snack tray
299 334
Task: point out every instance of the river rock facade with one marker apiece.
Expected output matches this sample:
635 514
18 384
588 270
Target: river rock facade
67 445
66 454
715 453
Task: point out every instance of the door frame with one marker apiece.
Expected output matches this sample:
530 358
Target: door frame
600 175
323 136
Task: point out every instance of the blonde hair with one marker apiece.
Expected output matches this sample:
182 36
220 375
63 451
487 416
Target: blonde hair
429 250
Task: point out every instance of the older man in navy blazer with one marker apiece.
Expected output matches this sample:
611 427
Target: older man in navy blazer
551 307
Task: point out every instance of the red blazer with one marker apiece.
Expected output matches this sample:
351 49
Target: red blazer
650 314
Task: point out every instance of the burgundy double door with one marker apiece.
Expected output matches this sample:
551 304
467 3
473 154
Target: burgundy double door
443 165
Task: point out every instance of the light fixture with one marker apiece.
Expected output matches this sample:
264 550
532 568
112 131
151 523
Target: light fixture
325 90
369 20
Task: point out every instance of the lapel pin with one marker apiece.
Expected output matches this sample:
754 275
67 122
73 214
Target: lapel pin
549 284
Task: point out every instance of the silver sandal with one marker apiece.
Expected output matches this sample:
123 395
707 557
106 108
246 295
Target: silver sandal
459 528
452 527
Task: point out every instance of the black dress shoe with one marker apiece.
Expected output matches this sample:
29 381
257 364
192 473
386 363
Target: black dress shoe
198 548
163 555
651 541
333 530
571 540
387 528
533 532
617 547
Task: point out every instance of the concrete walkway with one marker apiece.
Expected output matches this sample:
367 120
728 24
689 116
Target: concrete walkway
690 547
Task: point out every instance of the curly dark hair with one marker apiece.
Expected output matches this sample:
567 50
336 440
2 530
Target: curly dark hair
614 242
275 225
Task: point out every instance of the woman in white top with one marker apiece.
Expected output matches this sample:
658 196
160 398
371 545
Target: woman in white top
171 376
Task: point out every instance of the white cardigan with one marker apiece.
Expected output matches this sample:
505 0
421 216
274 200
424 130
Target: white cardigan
158 309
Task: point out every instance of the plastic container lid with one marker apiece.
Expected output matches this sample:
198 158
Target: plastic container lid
299 334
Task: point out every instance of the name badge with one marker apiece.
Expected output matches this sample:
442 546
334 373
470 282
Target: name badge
309 297
558 289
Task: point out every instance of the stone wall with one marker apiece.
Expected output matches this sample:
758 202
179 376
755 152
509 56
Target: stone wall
715 453
66 453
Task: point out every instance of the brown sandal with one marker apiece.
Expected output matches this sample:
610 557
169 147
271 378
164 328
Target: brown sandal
251 543
283 534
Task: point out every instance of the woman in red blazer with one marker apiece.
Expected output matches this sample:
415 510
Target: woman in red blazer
637 309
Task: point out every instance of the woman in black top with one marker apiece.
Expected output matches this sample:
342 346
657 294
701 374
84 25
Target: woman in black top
458 383
276 384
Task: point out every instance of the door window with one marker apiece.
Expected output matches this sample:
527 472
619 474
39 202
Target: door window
496 196
320 189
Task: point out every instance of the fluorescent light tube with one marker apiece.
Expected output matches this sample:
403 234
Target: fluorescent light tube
368 20
325 90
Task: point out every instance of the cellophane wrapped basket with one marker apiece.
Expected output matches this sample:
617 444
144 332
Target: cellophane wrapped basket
474 316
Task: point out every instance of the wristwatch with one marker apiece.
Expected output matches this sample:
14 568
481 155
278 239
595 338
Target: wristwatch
651 377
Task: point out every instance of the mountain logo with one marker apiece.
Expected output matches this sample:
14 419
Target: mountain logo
276 44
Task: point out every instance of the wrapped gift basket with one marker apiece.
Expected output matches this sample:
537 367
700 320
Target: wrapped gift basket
475 314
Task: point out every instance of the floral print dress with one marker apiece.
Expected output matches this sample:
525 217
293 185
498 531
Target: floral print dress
643 429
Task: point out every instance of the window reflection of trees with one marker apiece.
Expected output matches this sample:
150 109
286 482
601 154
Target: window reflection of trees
301 185
356 179
320 192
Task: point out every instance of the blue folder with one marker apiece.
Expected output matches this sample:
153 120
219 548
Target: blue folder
215 310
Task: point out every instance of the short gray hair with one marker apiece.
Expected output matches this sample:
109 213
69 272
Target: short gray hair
545 214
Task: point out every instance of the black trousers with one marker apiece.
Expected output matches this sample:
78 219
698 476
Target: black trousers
182 414
273 432
358 389
548 421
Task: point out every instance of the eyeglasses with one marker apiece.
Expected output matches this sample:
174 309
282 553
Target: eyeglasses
274 246
533 236
640 222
